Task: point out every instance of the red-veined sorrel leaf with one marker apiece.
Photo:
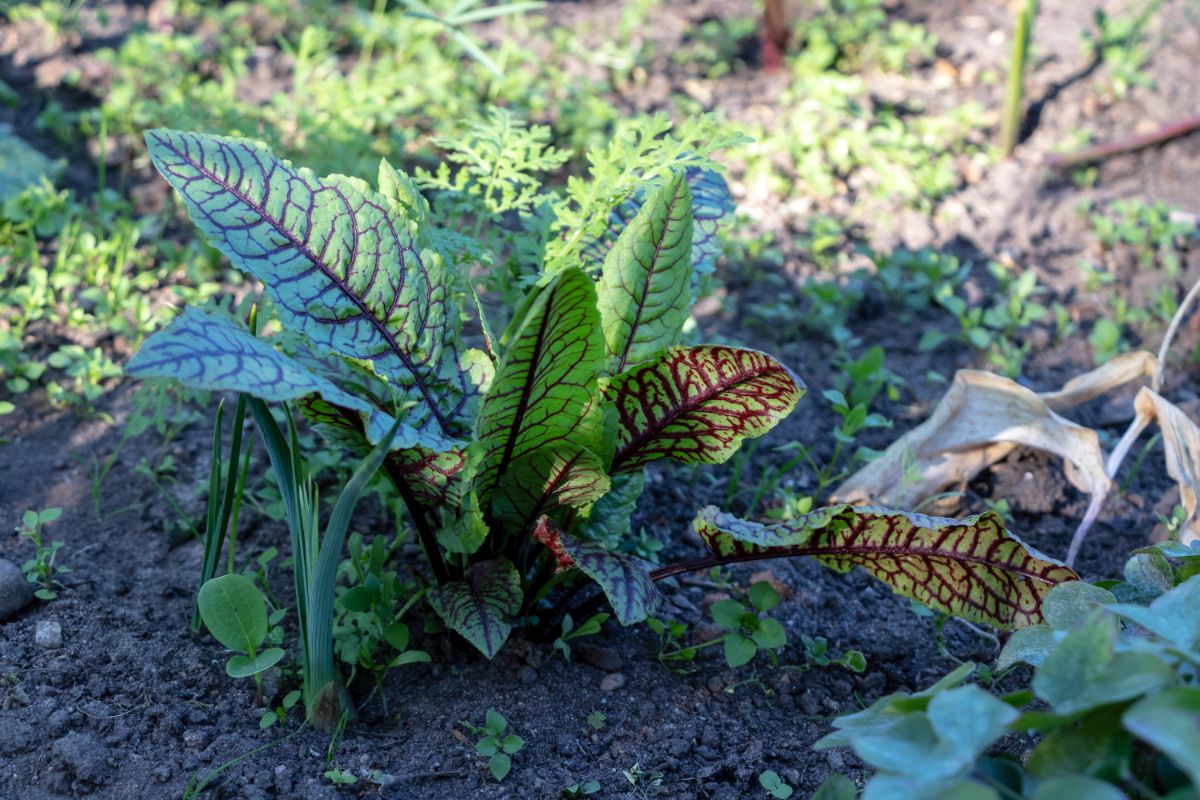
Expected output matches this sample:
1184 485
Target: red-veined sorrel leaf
547 478
546 386
625 579
696 404
712 209
644 291
972 568
211 351
481 608
343 266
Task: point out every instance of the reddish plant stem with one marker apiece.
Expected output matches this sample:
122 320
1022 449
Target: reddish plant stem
1127 144
420 522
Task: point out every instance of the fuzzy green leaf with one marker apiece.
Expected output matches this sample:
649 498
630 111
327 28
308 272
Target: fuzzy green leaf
340 261
697 404
481 608
644 291
972 568
1170 721
545 389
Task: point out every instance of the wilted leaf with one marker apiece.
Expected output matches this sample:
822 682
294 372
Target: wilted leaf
972 568
482 607
1181 441
697 404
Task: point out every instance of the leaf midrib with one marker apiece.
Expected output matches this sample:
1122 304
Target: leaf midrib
317 262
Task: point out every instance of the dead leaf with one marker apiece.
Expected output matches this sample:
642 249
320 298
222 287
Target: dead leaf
1181 441
1123 369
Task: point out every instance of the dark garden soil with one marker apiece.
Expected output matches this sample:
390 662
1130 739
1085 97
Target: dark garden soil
131 704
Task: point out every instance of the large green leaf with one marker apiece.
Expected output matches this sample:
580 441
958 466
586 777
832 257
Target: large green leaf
482 607
342 263
625 579
645 287
972 568
1170 721
545 390
697 404
210 351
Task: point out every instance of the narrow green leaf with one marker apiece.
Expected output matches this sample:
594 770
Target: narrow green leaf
972 568
645 287
697 404
481 608
546 386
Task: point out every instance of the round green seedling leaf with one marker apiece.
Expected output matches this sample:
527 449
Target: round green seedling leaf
770 634
234 611
738 650
245 666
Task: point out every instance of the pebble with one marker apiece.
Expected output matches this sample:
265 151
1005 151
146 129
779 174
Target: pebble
83 756
16 591
678 748
715 684
599 657
527 675
566 745
48 634
612 682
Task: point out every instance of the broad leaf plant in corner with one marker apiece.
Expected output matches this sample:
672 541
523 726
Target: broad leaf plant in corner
520 462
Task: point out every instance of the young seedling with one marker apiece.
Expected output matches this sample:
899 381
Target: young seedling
596 720
340 777
775 785
279 713
495 744
42 569
584 789
235 613
816 654
748 629
570 632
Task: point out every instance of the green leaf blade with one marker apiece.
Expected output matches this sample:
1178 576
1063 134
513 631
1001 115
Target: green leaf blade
481 608
972 568
696 404
342 266
234 611
644 292
546 386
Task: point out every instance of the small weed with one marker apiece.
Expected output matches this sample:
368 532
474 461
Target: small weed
747 628
596 720
570 632
775 785
42 569
584 789
340 777
495 744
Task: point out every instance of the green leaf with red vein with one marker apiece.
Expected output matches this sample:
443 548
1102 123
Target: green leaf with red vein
697 404
972 568
546 479
343 264
644 291
625 580
482 607
545 388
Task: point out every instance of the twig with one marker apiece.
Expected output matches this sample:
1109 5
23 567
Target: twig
1127 144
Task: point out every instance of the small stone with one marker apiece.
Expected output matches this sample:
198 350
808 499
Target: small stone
809 704
527 675
715 684
16 591
835 761
566 745
599 657
58 723
196 738
678 748
48 634
612 682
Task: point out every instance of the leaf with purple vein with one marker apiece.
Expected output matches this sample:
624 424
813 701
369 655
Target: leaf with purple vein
482 607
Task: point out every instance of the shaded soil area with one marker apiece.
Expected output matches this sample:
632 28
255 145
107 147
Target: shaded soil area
131 704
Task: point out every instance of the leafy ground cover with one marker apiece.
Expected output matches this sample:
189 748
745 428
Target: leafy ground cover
847 215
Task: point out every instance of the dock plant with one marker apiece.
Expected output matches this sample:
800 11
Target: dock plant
520 459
